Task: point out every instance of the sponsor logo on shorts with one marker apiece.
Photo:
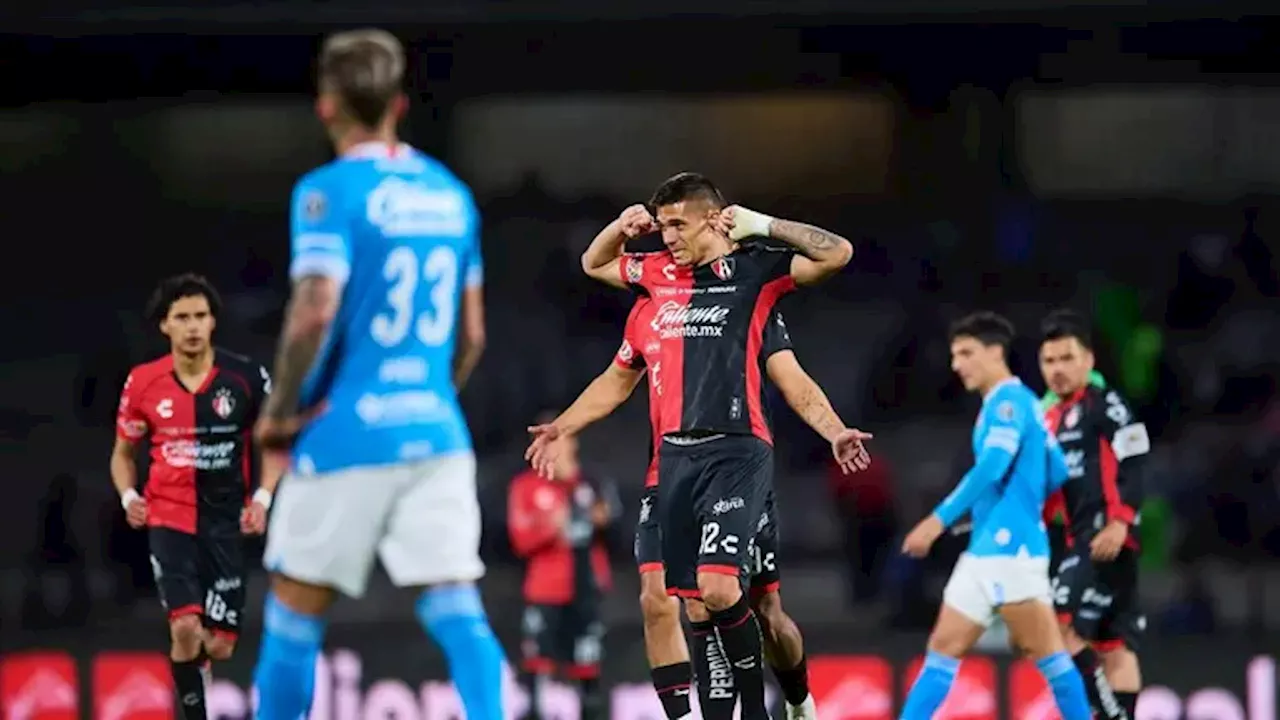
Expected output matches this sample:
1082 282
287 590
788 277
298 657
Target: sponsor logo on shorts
725 505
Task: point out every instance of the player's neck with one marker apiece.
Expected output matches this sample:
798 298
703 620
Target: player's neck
715 252
193 366
994 381
358 136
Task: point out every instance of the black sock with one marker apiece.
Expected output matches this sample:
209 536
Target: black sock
716 692
533 688
739 634
1101 697
189 682
593 700
1128 701
672 682
794 682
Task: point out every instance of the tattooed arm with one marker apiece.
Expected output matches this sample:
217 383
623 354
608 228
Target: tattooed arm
803 395
822 252
312 307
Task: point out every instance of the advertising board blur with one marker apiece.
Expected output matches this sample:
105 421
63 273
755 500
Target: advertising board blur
391 676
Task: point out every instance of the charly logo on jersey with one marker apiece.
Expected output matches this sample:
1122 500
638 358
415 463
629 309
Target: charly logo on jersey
223 403
723 268
164 408
400 207
674 319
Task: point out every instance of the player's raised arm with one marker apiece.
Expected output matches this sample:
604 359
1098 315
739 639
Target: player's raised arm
822 253
471 335
320 266
1007 419
602 260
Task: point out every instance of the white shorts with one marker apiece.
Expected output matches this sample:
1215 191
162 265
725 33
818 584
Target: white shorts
981 584
422 519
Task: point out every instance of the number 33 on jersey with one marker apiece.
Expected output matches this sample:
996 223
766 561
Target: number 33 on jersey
400 234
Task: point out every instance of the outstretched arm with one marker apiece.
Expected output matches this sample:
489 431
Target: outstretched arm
605 394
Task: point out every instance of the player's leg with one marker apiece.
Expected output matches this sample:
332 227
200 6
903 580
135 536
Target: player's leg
680 538
965 615
175 560
222 573
664 643
1022 586
321 540
732 490
537 652
1079 609
433 542
783 644
1121 630
584 632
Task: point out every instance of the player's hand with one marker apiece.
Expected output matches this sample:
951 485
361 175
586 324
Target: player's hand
136 513
850 452
1107 544
253 519
543 449
922 536
600 514
738 222
279 433
636 221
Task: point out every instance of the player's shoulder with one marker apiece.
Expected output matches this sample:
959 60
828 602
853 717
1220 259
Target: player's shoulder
1109 402
640 267
1011 400
144 374
235 362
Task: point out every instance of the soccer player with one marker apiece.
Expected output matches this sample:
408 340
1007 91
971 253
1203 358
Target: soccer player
195 408
667 651
712 299
557 526
384 324
1006 568
1095 588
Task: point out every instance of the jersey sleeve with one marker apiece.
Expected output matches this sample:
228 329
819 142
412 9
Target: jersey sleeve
776 337
1004 418
320 242
131 421
260 382
472 260
629 356
641 271
1125 447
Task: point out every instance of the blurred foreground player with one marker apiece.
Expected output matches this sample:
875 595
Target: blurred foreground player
384 323
668 654
1006 567
714 295
1095 588
195 407
556 525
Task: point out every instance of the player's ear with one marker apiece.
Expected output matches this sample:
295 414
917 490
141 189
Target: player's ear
400 107
326 108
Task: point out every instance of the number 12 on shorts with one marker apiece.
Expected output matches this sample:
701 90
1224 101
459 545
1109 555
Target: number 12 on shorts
713 542
215 608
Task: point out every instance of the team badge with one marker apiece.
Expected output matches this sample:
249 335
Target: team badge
723 268
1072 417
635 270
1004 411
314 206
223 403
625 353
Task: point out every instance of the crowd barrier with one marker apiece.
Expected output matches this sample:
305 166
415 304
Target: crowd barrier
388 672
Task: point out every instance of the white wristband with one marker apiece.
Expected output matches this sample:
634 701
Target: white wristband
747 223
127 497
263 498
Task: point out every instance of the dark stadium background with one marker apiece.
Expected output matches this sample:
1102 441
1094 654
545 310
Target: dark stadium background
1018 155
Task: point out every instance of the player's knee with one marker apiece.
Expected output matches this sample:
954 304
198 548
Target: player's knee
186 634
719 591
220 647
658 608
697 611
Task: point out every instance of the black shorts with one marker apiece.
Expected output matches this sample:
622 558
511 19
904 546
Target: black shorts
711 507
564 637
766 575
1099 599
200 575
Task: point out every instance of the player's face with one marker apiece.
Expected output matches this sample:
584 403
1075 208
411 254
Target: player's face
189 325
687 231
1065 365
973 362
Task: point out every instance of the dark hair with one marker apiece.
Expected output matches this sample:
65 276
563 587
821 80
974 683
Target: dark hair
172 289
366 69
1066 323
686 186
986 327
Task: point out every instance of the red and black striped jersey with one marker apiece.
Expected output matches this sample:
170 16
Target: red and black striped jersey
200 441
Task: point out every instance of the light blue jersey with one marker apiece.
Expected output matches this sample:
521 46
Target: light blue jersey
400 234
1018 465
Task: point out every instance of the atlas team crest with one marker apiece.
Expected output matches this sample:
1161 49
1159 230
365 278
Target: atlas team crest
223 403
723 268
